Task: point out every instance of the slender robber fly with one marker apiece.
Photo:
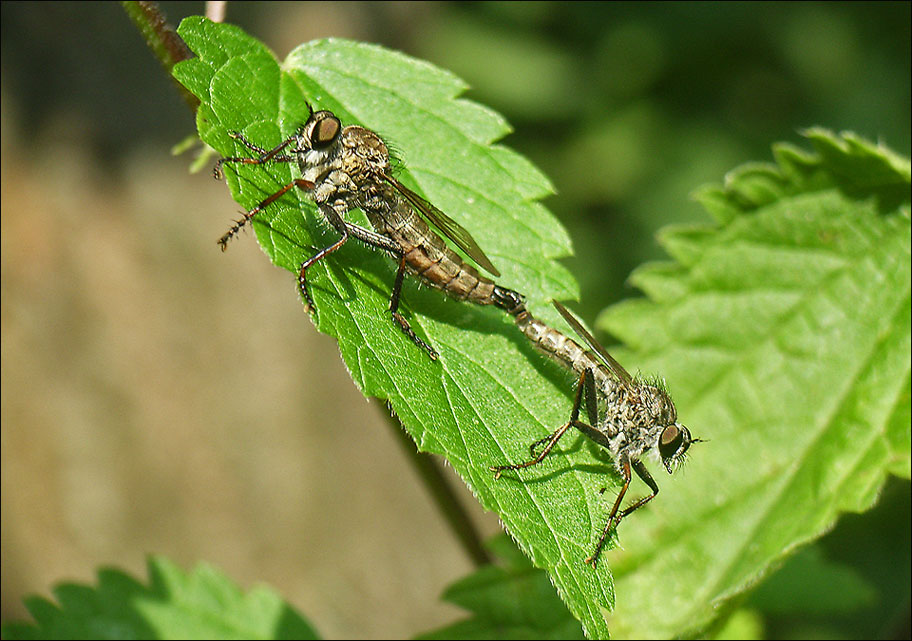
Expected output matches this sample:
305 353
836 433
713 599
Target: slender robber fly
626 416
344 168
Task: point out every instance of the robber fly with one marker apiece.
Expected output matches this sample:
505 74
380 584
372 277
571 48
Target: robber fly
626 416
344 168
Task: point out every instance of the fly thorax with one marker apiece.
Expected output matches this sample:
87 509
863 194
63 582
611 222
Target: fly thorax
652 412
335 185
364 155
633 417
614 397
659 407
612 409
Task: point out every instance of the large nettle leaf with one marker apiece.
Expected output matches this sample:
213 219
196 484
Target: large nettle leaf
784 333
201 604
490 394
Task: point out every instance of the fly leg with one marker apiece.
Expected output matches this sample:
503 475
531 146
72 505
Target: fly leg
551 441
265 156
300 183
271 155
320 255
373 239
614 519
346 230
399 319
584 389
387 244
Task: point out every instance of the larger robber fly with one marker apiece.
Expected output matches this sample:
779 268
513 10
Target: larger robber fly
344 168
626 416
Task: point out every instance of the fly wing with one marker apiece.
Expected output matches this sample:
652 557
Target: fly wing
450 228
612 364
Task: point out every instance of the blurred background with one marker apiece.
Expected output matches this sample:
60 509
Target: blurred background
161 397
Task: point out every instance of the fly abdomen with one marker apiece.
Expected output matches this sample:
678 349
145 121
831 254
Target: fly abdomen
444 269
555 344
428 255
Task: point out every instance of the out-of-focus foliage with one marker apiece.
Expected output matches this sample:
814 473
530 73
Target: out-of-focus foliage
627 108
200 604
508 599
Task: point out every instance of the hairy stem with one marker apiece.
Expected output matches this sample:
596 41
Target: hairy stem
162 39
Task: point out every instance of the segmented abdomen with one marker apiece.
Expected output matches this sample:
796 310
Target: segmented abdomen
428 256
558 345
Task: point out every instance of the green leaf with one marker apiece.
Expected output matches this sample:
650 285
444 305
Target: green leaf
203 604
784 335
512 600
490 394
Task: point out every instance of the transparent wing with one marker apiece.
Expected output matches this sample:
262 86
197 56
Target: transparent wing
596 347
450 228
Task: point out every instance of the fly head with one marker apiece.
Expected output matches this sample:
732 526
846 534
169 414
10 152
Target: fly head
675 439
673 445
321 130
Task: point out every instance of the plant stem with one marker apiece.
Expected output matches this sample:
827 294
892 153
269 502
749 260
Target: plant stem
162 39
441 490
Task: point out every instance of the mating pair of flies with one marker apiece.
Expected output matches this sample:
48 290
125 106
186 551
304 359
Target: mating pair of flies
344 168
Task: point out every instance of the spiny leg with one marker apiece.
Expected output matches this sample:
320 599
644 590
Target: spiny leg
587 384
646 477
585 389
613 522
346 230
379 241
592 560
399 319
271 155
231 233
552 439
264 153
535 445
302 275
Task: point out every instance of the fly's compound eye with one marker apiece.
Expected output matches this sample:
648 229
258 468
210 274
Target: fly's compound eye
670 441
325 130
673 444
